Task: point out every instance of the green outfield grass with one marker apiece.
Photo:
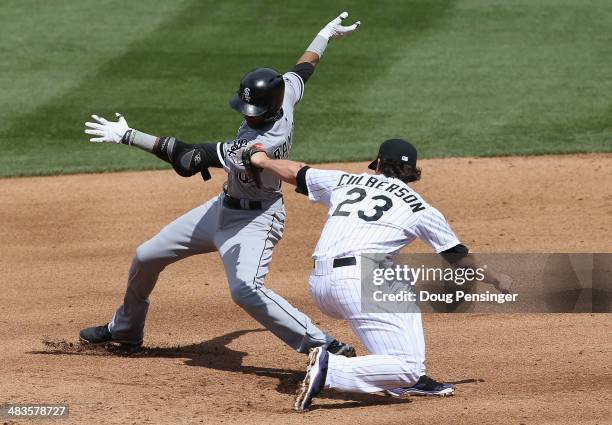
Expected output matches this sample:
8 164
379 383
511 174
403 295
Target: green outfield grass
472 77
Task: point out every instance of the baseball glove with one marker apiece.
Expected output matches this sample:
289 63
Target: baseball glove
253 172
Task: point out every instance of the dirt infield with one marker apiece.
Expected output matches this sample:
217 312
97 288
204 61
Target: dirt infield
66 247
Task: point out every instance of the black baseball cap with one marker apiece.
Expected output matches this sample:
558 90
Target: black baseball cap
396 150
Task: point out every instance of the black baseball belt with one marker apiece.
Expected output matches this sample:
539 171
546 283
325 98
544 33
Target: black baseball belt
344 261
240 204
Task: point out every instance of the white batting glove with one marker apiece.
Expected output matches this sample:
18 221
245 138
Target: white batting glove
107 131
335 29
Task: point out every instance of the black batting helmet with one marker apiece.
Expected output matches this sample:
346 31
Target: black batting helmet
261 93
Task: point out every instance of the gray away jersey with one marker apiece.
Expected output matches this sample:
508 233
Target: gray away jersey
373 214
276 140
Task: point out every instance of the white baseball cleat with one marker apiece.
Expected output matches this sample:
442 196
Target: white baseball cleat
314 381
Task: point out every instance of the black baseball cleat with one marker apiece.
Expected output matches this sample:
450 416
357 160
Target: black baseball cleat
424 386
341 349
99 335
314 381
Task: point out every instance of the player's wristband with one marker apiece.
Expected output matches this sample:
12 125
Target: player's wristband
139 139
318 45
300 179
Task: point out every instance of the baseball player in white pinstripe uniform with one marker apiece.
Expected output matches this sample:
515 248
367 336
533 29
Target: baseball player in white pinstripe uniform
370 214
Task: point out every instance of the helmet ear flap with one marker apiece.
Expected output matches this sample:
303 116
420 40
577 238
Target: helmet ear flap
277 105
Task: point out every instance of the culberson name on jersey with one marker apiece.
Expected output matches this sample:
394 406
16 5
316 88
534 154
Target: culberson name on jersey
399 190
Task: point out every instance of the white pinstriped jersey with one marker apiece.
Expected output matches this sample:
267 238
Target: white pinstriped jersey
373 214
276 139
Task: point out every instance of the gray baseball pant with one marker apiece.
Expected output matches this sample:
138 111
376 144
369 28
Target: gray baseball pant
245 240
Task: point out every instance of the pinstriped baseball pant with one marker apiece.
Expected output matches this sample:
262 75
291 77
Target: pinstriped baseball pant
245 240
395 340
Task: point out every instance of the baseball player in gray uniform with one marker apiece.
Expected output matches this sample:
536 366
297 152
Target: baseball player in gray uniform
370 214
243 223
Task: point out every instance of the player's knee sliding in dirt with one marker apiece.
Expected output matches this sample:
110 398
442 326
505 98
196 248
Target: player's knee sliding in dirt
369 214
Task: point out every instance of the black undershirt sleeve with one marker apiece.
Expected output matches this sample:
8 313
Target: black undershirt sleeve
304 70
456 253
300 179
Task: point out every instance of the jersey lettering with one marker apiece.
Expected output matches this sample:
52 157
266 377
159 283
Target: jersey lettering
282 152
373 214
361 195
380 209
375 183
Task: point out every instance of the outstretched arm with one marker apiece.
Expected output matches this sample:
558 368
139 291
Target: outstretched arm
284 169
314 183
464 260
186 159
308 61
255 159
